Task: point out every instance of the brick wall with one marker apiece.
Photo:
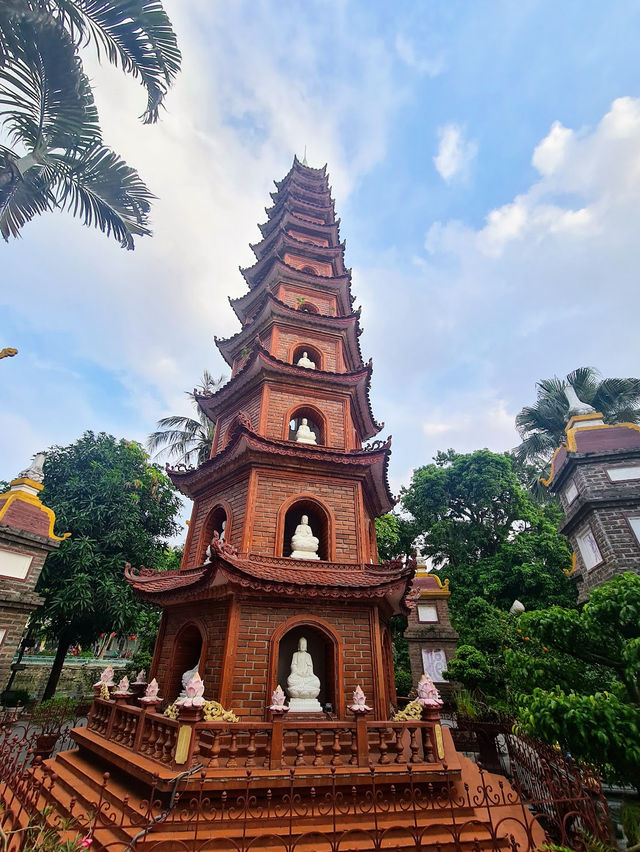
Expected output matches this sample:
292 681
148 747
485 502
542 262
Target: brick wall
234 494
289 294
328 345
282 400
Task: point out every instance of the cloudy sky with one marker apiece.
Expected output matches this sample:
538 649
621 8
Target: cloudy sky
485 161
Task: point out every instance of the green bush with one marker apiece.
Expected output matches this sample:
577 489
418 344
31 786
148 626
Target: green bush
404 682
13 697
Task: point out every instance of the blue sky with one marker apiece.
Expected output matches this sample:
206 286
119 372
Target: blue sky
485 160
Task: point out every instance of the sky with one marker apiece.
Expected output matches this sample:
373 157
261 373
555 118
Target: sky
485 162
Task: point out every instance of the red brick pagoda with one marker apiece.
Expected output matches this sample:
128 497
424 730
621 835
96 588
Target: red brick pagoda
280 592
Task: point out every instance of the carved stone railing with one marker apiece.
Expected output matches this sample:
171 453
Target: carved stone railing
278 744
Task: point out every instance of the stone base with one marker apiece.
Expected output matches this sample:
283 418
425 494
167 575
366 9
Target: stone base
305 705
304 554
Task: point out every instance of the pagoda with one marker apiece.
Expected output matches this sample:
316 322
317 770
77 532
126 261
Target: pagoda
274 654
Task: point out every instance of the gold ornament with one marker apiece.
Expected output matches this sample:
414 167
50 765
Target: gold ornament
172 711
104 692
413 710
215 712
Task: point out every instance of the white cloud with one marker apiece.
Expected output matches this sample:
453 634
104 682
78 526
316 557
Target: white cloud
430 66
455 154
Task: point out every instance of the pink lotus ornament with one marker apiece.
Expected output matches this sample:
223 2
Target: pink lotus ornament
123 686
428 695
152 689
359 701
277 701
106 677
141 677
194 693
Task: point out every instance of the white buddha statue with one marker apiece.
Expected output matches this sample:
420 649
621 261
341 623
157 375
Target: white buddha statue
305 361
304 435
304 544
303 687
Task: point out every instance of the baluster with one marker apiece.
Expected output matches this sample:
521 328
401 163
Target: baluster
167 750
144 740
398 745
300 748
117 727
151 738
318 749
215 748
157 751
413 745
233 749
427 744
335 748
251 749
127 738
354 748
382 745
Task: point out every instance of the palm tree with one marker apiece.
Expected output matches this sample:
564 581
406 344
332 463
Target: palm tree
186 439
57 158
542 426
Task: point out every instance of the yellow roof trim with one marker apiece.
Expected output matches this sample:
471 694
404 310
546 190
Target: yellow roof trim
24 480
574 565
571 445
13 496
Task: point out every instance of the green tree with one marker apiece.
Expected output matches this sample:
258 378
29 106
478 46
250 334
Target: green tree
187 439
487 534
595 712
118 508
542 425
57 158
395 536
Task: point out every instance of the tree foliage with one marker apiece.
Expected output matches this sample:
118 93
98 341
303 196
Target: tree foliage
57 158
118 508
395 536
487 534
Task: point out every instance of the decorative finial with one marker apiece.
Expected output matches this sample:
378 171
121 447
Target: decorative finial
304 157
576 405
34 471
10 351
428 695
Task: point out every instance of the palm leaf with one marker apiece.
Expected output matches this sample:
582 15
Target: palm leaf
100 188
135 34
23 198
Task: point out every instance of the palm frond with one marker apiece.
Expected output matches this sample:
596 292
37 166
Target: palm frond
23 197
135 34
99 187
45 97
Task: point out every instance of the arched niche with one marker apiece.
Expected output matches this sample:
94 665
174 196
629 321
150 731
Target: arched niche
308 307
315 421
325 647
320 521
217 521
312 353
310 270
188 651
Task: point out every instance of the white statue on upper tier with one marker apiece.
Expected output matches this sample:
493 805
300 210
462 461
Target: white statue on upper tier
305 361
303 687
304 435
304 544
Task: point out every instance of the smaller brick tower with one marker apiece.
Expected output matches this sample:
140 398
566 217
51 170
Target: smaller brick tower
26 537
431 638
596 472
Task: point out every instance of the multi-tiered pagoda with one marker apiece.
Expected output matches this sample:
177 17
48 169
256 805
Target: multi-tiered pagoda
290 427
280 612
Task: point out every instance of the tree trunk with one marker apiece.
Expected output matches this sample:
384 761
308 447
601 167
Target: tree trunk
56 669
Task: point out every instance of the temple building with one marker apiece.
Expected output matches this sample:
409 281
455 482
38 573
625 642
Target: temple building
26 538
596 473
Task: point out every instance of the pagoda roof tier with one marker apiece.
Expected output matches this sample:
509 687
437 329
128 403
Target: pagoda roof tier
304 173
271 309
283 243
288 218
320 252
325 212
282 273
318 194
231 571
261 366
370 465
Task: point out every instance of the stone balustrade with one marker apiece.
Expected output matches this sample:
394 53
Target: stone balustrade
278 744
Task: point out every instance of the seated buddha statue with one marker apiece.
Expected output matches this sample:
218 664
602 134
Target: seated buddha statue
304 435
305 361
303 687
304 544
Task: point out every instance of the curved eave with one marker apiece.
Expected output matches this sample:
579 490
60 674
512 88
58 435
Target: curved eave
271 308
317 196
288 217
281 235
280 272
371 466
256 274
306 172
261 365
